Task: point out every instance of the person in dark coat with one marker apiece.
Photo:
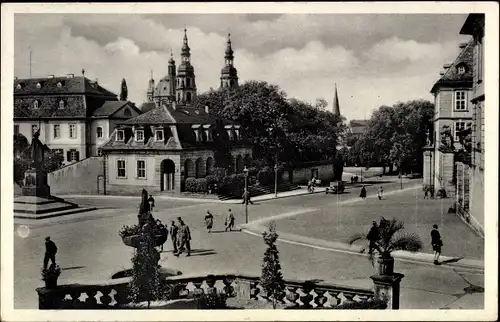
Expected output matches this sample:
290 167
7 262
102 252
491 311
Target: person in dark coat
432 192
426 193
151 202
161 228
373 237
173 235
246 197
436 243
50 252
363 193
209 221
183 238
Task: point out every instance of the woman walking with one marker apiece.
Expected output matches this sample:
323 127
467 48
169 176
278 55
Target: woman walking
209 221
230 221
362 195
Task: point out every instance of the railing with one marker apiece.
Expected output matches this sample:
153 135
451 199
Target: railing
113 294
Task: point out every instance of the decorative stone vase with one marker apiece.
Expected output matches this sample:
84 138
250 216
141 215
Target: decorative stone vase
51 283
385 265
133 240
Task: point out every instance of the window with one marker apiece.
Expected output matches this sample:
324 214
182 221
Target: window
127 112
35 105
38 85
57 131
18 86
59 85
460 100
159 135
188 96
58 151
459 126
99 132
141 169
34 128
73 155
139 135
461 69
197 134
120 167
208 134
16 129
72 131
188 82
120 135
61 105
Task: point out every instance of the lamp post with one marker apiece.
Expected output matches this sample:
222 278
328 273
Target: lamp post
276 180
245 172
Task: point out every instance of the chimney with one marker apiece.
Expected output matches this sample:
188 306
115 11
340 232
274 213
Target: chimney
70 75
50 76
206 109
441 73
462 45
446 66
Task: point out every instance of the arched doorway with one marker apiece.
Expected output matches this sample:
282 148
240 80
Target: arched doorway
200 171
210 166
167 168
239 164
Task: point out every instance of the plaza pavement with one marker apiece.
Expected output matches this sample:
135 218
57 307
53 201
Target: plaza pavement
91 250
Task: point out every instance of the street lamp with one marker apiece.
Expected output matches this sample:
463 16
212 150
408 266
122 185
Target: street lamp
245 172
276 180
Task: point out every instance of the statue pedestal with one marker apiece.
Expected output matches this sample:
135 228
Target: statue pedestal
35 183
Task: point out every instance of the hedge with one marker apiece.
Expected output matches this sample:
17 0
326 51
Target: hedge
190 184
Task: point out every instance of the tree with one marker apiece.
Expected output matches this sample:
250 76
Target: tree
321 104
271 278
146 284
124 91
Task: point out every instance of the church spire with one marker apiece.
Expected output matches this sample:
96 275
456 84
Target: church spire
229 74
336 106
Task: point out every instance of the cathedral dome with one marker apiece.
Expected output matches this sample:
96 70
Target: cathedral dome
229 70
185 69
164 87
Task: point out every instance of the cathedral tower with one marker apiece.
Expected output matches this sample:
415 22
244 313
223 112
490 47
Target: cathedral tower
151 88
185 84
229 74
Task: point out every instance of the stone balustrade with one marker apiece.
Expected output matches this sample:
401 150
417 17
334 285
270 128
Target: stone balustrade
113 293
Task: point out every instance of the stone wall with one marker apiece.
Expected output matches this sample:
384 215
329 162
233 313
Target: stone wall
428 175
304 174
477 196
444 172
80 177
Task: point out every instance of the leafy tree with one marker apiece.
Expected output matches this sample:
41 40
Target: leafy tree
146 284
271 279
124 91
321 104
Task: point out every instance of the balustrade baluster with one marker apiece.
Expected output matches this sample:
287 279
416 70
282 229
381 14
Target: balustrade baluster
197 290
320 299
228 287
334 298
254 290
307 297
105 297
349 296
292 295
91 301
211 285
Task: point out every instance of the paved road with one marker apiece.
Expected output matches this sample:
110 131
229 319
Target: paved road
92 250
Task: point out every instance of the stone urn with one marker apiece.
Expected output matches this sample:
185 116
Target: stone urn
385 265
133 240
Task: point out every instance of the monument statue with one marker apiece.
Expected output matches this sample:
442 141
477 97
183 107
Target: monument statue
37 152
428 139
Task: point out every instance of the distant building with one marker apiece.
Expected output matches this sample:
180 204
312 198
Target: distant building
357 128
452 114
75 114
474 26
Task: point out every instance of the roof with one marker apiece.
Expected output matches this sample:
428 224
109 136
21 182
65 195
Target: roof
359 123
111 107
470 23
148 106
48 106
68 85
451 76
181 114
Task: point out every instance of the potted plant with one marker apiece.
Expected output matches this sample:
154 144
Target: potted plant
391 237
130 235
50 276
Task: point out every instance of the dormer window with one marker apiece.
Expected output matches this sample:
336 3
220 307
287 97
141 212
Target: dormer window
237 132
230 133
127 112
139 135
120 135
38 85
59 85
36 104
461 69
61 105
19 86
197 132
159 135
208 132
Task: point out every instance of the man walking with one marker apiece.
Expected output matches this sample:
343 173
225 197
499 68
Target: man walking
50 252
209 221
230 221
246 197
363 193
373 237
436 243
151 202
426 193
184 238
173 235
380 193
161 228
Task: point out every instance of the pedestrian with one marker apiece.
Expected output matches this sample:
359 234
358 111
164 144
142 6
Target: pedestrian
436 243
426 193
229 221
183 238
380 193
50 252
363 192
151 202
162 229
246 197
173 235
209 221
373 237
432 192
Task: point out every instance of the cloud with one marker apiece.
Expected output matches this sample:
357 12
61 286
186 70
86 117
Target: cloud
112 47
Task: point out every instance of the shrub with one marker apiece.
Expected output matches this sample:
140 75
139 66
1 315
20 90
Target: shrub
219 173
265 176
211 180
201 185
190 184
211 301
271 279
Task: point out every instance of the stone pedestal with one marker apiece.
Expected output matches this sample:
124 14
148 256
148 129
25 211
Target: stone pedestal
388 286
428 175
35 183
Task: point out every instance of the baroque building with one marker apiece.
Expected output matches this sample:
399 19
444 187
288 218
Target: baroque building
74 114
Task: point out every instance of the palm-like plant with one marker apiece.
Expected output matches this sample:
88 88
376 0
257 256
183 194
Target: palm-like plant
391 237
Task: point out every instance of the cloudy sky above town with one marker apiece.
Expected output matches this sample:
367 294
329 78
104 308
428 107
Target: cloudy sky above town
375 59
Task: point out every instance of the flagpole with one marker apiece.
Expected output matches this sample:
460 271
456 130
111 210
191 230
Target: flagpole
30 61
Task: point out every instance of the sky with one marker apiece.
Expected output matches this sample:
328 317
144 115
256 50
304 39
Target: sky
375 59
